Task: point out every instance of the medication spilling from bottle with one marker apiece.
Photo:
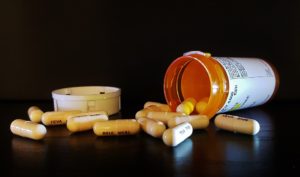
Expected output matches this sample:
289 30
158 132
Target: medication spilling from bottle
219 84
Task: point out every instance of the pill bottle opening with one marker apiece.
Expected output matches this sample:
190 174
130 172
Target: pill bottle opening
186 77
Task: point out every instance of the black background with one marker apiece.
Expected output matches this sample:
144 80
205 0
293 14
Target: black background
46 45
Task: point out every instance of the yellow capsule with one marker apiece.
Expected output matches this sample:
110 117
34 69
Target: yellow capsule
35 114
176 135
162 107
57 118
207 54
85 121
187 106
237 124
28 129
163 116
197 121
152 127
116 127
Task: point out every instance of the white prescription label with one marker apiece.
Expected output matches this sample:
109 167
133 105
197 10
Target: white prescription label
251 82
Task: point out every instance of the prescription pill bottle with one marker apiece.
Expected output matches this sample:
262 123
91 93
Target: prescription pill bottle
222 83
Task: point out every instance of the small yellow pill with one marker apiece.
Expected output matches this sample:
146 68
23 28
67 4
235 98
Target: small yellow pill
28 129
207 54
116 127
57 118
163 116
197 121
35 114
152 127
201 106
176 135
187 106
162 106
85 121
237 124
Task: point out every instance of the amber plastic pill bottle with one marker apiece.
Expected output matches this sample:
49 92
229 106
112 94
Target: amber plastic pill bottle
222 83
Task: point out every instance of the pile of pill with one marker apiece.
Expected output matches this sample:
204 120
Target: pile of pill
155 119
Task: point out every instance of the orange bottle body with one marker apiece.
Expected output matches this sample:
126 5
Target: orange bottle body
223 84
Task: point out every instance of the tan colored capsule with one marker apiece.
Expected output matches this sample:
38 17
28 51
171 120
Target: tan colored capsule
28 129
176 135
57 118
35 114
162 107
237 124
152 127
163 116
85 121
116 127
197 121
154 108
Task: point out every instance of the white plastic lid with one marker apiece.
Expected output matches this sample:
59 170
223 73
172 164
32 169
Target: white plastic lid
87 99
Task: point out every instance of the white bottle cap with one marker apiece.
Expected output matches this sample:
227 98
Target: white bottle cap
87 99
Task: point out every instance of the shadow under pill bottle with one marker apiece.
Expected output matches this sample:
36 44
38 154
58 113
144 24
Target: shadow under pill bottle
219 84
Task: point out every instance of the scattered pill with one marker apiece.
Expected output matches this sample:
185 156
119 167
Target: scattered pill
85 121
197 121
163 116
176 135
152 127
35 114
57 118
116 127
163 107
28 129
237 124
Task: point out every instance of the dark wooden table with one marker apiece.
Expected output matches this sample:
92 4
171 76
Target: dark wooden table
274 151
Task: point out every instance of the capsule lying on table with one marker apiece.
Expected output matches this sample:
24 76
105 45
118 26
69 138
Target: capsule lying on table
176 135
116 127
237 124
28 129
57 118
85 121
